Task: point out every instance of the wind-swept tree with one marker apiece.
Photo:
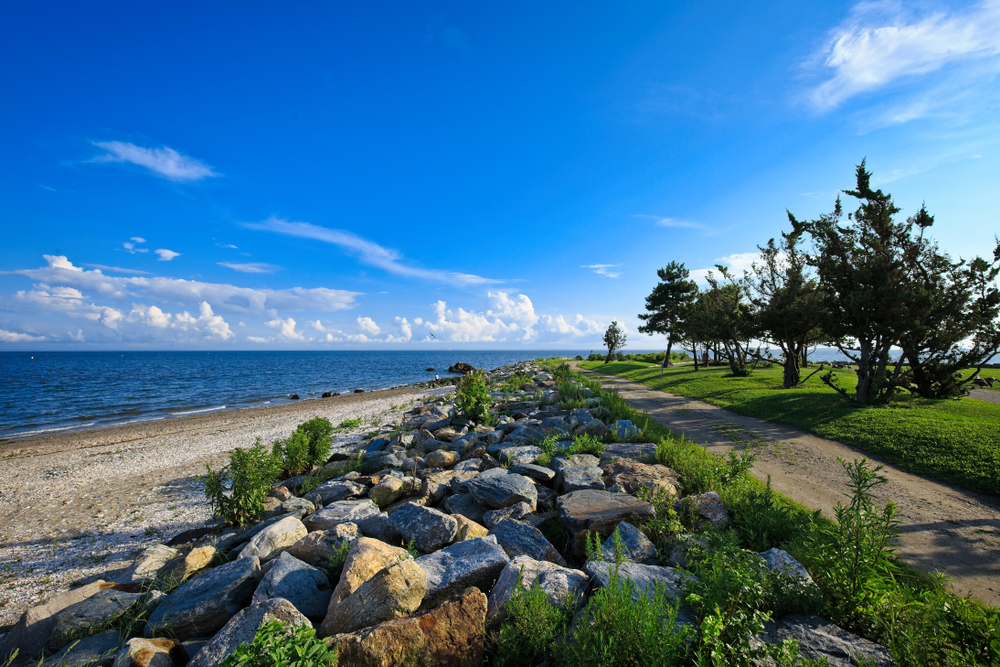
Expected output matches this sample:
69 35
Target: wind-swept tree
788 302
731 318
668 304
614 338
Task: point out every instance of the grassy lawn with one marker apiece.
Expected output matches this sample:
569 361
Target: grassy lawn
955 441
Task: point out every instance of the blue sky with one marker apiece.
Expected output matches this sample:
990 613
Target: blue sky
394 175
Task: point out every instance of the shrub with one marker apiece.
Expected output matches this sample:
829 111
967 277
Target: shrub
586 444
320 433
349 424
236 492
762 522
562 373
472 398
532 629
279 645
293 453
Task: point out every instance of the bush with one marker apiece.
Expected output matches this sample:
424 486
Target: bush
320 433
279 645
472 398
533 627
237 491
293 454
586 444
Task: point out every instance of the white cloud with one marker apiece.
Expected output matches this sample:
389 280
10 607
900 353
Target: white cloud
405 331
258 339
207 322
166 255
462 326
78 336
164 161
286 329
252 267
737 263
367 251
229 245
367 325
117 269
318 326
603 269
130 248
519 310
138 239
60 271
579 327
880 44
14 337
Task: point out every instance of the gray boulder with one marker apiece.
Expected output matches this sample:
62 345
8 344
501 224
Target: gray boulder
268 543
467 506
818 638
582 512
428 528
523 454
579 478
522 539
87 615
562 585
503 490
231 540
393 592
560 463
708 506
242 628
535 472
95 651
514 512
305 586
317 547
782 562
646 578
150 563
476 562
636 547
202 605
343 511
334 490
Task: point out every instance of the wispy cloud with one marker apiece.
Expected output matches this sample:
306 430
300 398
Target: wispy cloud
252 267
166 255
131 249
603 269
14 337
117 269
880 44
165 162
367 251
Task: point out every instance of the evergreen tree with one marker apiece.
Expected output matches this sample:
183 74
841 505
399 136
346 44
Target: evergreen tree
730 319
668 304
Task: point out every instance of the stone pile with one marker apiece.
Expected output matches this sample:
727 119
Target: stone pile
450 518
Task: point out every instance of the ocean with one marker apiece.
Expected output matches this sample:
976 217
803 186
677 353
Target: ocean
50 392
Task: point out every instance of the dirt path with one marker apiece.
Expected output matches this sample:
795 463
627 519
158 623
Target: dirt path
944 528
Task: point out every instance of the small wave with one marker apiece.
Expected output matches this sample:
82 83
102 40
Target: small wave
194 412
27 434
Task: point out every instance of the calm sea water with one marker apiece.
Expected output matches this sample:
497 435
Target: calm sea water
49 392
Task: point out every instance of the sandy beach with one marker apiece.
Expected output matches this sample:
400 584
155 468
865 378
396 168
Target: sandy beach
74 505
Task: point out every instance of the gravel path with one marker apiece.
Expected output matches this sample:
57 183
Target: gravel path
76 505
944 528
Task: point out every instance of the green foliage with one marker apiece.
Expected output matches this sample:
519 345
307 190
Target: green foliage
512 385
236 492
586 444
562 373
335 563
614 339
320 433
348 424
761 520
668 304
532 629
277 644
665 527
293 453
570 395
472 398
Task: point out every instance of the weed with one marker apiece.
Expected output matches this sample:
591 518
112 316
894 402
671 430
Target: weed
349 424
279 645
586 444
320 434
532 629
335 563
237 491
472 399
293 453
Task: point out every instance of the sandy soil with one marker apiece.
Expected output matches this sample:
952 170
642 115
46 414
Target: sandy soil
944 528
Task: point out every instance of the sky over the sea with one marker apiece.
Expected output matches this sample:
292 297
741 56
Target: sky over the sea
490 175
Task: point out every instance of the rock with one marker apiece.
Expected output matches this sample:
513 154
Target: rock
514 512
227 542
365 557
452 635
526 433
204 604
707 506
587 511
460 481
334 490
685 543
29 634
139 652
782 562
546 499
180 569
562 585
95 651
468 529
461 367
377 445
447 435
475 562
85 616
492 437
380 527
148 565
818 638
188 536
645 577
535 472
522 454
294 397
633 476
470 465
560 463
436 485
392 592
467 506
317 547
303 585
389 490
636 547
242 628
577 479
441 459
522 539
267 544
502 490
623 429
343 511
428 528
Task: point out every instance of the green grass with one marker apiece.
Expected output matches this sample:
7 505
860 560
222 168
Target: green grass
956 441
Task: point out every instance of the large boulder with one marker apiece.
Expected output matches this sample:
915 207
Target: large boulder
475 562
232 539
635 546
203 605
467 506
441 458
633 476
343 511
561 585
583 512
180 569
100 609
560 463
95 651
706 507
514 512
452 635
365 557
818 638
139 652
519 455
468 529
390 489
335 490
393 592
267 544
461 367
305 586
429 529
503 490
535 472
645 578
522 539
242 628
148 566
317 547
579 478
782 562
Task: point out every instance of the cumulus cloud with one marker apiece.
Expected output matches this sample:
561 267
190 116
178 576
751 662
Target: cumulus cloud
251 267
462 326
14 337
405 331
579 326
164 161
603 269
367 326
117 269
368 252
737 263
166 255
880 43
131 249
138 239
286 329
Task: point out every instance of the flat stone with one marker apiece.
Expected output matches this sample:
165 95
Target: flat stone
818 638
343 511
227 542
441 458
242 628
203 605
334 490
560 463
709 507
782 562
587 511
392 592
365 557
428 528
634 476
645 578
468 529
87 615
317 547
636 547
514 512
577 479
452 635
460 480
535 472
467 506
524 454
139 652
150 563
95 651
522 539
268 543
562 585
503 490
475 562
305 586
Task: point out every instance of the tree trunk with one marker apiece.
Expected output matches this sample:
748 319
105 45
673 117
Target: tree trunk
791 374
864 374
694 353
666 359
